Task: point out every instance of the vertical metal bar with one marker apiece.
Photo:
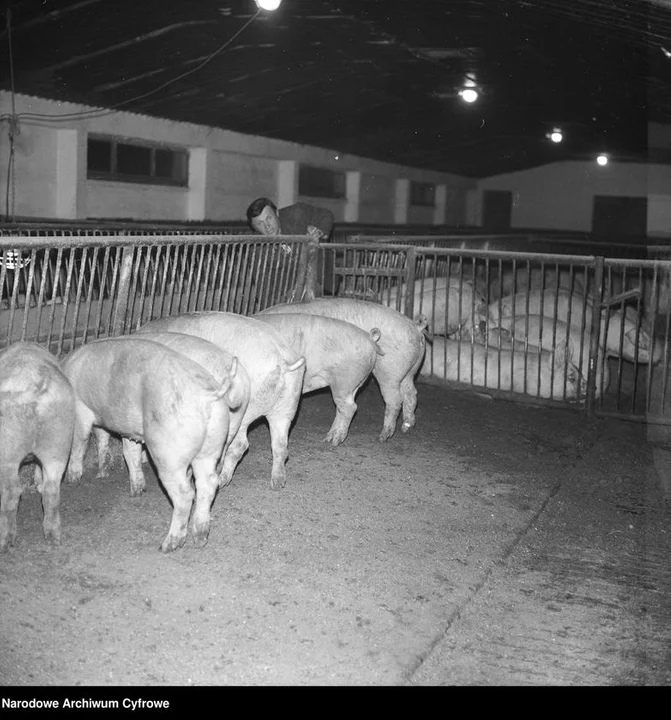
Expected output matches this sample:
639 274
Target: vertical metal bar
52 302
201 301
595 334
125 277
65 301
410 260
31 273
301 289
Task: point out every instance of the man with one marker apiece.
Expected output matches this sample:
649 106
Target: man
298 219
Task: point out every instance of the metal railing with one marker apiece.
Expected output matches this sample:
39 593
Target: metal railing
496 315
62 291
63 286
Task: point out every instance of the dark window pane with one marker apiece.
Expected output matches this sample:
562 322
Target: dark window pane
320 182
423 194
165 164
99 156
133 160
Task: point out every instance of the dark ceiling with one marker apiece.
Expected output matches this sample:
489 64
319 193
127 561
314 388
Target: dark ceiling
375 78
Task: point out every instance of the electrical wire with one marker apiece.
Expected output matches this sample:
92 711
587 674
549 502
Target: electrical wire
63 117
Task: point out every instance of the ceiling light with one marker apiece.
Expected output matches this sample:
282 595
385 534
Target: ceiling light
268 5
469 95
469 92
555 135
602 159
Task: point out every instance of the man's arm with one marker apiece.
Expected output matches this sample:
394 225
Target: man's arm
322 219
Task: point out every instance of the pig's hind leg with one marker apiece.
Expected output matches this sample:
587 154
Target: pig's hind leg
393 402
346 408
177 484
409 395
132 454
233 455
105 460
80 440
49 487
207 483
10 486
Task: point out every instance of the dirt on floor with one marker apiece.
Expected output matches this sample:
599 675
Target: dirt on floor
495 543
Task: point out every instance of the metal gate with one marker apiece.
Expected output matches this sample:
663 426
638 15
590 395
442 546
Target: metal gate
584 331
63 289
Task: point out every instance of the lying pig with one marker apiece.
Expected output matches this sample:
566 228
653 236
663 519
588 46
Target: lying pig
539 374
275 374
447 302
337 354
221 365
550 276
637 344
547 334
402 343
37 415
151 394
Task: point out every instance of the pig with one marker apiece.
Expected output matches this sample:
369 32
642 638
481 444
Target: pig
37 417
540 374
447 302
337 354
275 374
637 344
220 364
402 343
149 393
547 334
524 278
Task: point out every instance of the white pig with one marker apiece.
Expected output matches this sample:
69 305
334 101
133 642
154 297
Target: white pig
337 354
220 364
447 302
275 373
539 278
547 334
149 393
402 342
539 374
37 414
570 308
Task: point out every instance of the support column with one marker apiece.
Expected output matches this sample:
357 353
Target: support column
441 205
287 183
67 174
402 201
196 206
352 196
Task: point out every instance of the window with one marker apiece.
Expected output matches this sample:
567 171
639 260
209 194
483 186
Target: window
112 159
320 182
422 194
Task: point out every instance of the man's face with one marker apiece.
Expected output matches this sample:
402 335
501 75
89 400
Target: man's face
267 223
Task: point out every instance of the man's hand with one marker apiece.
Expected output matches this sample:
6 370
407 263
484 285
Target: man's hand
315 233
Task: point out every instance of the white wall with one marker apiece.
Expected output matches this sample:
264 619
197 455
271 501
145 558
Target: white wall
560 196
227 170
234 181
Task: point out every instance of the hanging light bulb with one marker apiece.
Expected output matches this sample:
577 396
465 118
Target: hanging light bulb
555 135
268 5
469 95
469 92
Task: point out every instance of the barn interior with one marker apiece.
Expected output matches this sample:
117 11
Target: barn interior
499 175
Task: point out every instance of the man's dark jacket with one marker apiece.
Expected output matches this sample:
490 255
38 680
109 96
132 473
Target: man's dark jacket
294 219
